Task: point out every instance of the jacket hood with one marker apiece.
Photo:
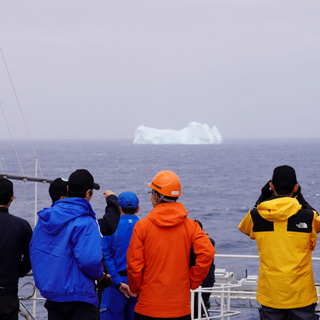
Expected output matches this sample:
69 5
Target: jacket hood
279 209
168 214
62 212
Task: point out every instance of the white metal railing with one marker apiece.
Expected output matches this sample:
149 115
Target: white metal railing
223 309
248 256
228 291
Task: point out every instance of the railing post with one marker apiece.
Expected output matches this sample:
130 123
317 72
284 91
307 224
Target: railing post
34 308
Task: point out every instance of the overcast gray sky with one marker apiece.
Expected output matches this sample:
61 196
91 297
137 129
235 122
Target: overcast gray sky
100 68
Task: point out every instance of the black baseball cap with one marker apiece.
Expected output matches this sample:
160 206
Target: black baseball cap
284 179
81 180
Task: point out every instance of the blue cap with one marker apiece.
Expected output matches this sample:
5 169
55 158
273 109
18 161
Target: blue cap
128 199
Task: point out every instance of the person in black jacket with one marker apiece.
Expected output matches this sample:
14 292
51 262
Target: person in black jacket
15 236
208 282
110 220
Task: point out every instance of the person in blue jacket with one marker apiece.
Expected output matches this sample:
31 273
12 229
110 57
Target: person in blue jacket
66 252
109 222
117 300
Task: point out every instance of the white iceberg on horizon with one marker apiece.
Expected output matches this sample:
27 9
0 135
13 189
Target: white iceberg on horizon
194 133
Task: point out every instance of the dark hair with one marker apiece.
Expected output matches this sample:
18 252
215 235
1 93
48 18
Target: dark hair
129 210
6 191
58 189
78 194
284 190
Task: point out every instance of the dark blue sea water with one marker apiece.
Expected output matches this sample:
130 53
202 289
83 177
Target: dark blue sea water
220 183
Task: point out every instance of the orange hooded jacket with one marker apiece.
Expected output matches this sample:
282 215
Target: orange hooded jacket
158 260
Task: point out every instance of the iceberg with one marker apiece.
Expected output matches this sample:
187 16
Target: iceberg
194 133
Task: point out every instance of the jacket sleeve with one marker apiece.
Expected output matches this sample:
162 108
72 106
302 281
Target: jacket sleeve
204 251
110 220
25 263
210 278
315 230
87 248
316 221
135 261
108 251
246 225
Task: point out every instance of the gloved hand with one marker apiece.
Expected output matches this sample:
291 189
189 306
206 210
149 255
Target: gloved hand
266 193
103 282
298 195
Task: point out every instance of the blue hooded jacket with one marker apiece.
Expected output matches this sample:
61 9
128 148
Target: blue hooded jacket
66 252
115 248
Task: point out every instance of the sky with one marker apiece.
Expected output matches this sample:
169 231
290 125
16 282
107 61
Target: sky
97 69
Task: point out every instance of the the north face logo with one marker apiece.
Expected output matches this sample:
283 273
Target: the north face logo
302 225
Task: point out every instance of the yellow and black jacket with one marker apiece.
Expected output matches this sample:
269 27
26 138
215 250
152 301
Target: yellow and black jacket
285 235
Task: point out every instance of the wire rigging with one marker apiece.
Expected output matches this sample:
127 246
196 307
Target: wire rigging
1 167
22 114
11 138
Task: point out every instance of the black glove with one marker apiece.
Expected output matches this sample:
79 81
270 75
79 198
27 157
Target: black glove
298 195
266 193
103 282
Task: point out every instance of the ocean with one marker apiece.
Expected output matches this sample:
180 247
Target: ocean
220 183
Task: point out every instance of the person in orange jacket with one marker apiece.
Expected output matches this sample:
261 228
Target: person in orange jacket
158 257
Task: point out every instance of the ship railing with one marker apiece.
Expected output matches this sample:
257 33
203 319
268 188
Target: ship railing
229 291
223 308
224 294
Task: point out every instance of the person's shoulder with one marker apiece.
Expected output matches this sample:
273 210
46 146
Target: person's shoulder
191 222
20 221
212 241
142 223
84 218
129 217
308 212
143 220
192 226
17 218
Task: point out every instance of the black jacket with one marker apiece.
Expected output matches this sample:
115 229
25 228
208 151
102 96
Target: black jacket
15 236
110 220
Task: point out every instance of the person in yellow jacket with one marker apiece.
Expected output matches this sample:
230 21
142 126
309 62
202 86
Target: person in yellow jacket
158 257
285 232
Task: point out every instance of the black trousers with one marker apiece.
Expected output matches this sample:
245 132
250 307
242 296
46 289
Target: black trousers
75 310
206 299
9 307
305 313
138 316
